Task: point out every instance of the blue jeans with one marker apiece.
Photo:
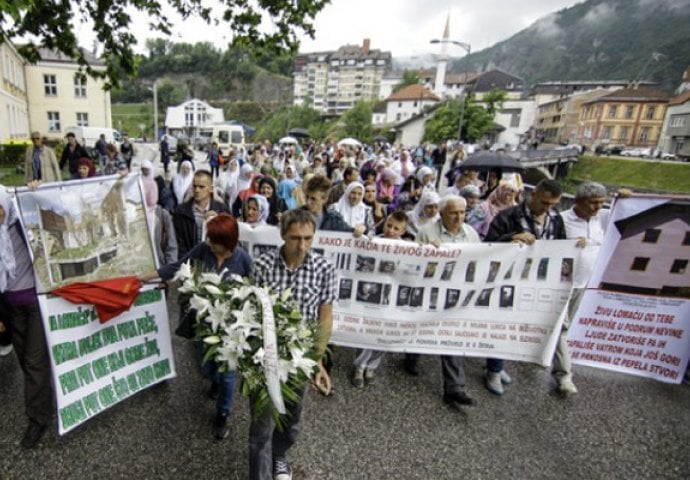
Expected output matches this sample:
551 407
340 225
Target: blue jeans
225 382
494 365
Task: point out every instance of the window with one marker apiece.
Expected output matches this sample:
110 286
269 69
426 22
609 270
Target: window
50 85
623 134
679 266
650 113
629 110
677 121
644 134
612 111
686 240
606 133
82 119
79 86
640 264
515 118
651 235
53 121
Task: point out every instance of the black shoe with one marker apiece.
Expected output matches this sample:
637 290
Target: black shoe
411 368
220 427
458 398
33 434
213 391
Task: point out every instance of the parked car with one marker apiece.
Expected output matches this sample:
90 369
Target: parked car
612 149
668 156
638 152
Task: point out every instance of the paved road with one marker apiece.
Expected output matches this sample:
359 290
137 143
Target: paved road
618 426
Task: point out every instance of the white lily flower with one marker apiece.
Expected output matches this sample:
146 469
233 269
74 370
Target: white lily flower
212 340
259 357
285 369
189 286
212 289
200 304
211 277
184 272
285 296
228 356
217 314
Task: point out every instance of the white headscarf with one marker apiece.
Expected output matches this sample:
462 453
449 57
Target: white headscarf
352 214
417 217
8 267
264 209
243 182
181 183
423 172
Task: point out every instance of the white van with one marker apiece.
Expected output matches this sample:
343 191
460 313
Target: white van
226 136
88 136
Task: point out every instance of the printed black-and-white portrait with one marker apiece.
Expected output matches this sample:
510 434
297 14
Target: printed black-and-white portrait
430 269
452 298
494 267
509 273
433 298
345 289
567 270
386 294
471 269
526 268
543 268
404 293
369 292
417 297
468 298
259 249
365 264
448 269
484 298
387 266
506 298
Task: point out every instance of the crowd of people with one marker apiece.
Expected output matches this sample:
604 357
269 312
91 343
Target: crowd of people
381 191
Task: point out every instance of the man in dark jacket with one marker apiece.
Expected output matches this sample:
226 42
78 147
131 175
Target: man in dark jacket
71 155
189 218
531 220
316 193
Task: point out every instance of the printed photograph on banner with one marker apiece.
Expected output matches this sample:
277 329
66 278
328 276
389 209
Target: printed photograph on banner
369 292
452 298
403 298
447 272
470 271
484 298
526 269
365 264
430 269
259 249
468 298
417 297
651 256
387 266
433 298
567 270
507 294
87 230
509 273
543 269
494 268
345 289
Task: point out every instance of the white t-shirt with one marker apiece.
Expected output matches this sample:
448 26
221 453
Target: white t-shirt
593 230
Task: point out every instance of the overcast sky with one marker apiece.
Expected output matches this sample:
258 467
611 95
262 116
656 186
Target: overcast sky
403 27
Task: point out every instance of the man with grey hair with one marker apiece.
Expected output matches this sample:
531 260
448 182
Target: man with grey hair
449 228
586 222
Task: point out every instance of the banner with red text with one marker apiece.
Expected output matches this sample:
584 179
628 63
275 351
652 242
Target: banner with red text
635 315
496 300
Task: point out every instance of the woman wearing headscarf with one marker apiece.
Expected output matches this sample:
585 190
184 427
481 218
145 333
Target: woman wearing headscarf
410 193
474 215
378 210
425 175
244 179
286 188
267 188
425 212
227 181
255 210
387 189
18 292
352 208
159 220
501 198
252 189
182 183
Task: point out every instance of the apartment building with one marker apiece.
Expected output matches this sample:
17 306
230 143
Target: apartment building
631 116
14 108
59 96
333 82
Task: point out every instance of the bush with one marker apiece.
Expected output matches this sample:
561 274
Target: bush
12 154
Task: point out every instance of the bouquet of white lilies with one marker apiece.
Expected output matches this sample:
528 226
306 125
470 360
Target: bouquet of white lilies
258 333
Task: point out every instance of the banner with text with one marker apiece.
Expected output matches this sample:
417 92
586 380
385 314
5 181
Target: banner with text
635 316
97 365
496 300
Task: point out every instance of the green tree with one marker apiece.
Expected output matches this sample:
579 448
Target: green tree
356 122
52 24
410 77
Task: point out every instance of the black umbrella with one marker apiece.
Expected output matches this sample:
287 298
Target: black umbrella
484 161
299 133
380 138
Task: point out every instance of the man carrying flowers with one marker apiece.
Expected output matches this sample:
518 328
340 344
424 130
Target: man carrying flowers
311 281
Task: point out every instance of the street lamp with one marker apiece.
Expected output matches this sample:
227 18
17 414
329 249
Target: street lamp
154 89
468 48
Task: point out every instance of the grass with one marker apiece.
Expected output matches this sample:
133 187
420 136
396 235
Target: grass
10 178
635 174
128 117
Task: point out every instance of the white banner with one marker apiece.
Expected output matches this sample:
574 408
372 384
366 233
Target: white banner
496 300
97 365
635 315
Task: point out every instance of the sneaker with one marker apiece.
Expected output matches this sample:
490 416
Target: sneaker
370 376
566 385
493 383
357 377
281 469
457 398
33 434
220 427
5 350
505 378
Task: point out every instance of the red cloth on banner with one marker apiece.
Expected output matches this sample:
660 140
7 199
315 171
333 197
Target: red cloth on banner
110 297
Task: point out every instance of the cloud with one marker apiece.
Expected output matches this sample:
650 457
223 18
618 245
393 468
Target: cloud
547 27
603 12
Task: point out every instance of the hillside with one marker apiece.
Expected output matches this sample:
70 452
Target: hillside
597 39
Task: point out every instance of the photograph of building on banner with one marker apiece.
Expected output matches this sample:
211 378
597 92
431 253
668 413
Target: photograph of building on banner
97 365
473 299
635 315
86 230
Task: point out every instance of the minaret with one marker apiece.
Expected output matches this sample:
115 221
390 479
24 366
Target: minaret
440 82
